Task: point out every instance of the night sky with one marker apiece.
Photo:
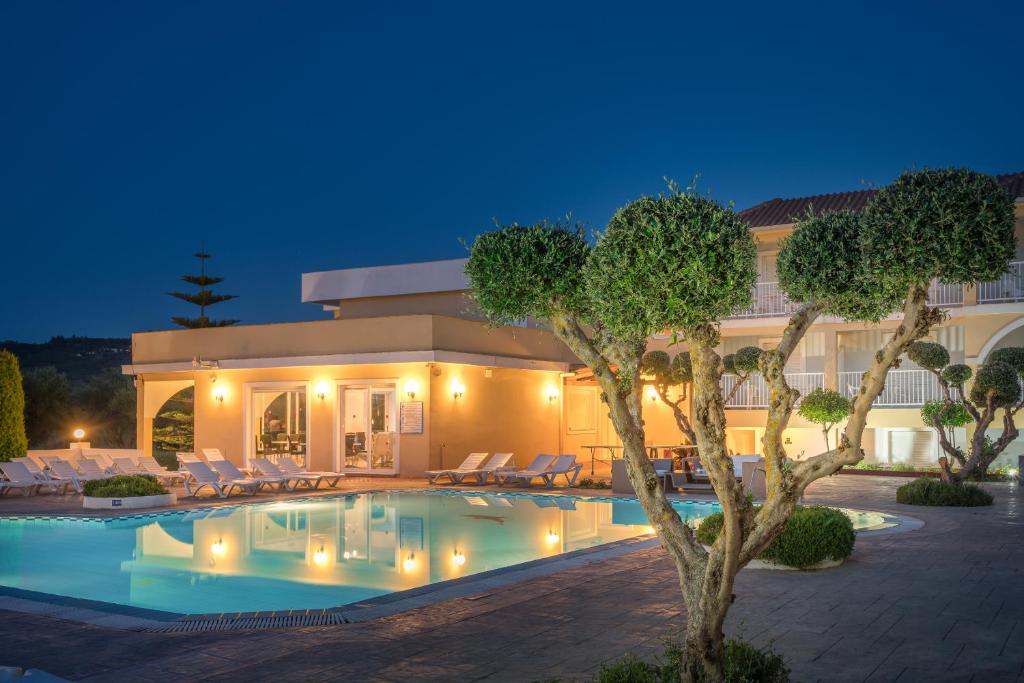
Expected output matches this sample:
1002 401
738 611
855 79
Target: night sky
297 136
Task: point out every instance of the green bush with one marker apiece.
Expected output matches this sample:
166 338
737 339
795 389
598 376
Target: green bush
124 486
927 491
1001 379
743 663
13 443
954 416
812 535
589 483
928 355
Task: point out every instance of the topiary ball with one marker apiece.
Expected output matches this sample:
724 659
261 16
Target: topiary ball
682 367
928 355
1012 356
746 359
955 415
655 363
999 379
927 491
957 374
729 363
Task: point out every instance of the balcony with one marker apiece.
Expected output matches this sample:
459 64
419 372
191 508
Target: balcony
754 392
903 388
1008 288
769 301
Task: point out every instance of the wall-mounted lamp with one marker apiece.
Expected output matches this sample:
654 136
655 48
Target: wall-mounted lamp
321 390
458 389
411 387
458 558
217 548
651 392
553 537
409 563
79 433
320 557
219 392
551 392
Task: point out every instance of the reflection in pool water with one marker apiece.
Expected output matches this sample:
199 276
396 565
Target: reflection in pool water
307 554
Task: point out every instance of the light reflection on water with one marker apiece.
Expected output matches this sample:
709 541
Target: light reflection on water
314 553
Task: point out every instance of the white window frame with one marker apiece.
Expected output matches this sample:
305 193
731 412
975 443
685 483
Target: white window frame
338 442
248 388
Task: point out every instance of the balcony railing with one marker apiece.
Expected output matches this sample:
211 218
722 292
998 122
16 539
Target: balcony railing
1009 287
754 392
942 294
903 388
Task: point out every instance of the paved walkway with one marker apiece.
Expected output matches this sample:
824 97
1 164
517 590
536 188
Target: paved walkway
943 603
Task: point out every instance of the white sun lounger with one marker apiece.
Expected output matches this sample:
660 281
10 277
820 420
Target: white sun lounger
90 469
201 475
538 468
498 461
212 454
288 466
33 467
17 476
153 468
469 465
61 470
228 472
265 468
127 466
565 465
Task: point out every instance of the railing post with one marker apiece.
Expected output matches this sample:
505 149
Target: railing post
831 380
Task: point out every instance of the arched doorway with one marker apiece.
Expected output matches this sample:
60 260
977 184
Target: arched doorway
174 427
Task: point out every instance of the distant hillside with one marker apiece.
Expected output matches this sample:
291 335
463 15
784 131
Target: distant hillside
77 357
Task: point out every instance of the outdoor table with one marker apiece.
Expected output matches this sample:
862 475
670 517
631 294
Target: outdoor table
652 451
593 451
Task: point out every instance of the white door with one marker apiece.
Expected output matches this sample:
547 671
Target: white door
368 439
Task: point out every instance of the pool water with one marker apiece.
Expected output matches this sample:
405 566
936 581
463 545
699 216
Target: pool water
311 553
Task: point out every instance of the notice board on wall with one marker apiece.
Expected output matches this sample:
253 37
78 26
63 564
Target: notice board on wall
410 417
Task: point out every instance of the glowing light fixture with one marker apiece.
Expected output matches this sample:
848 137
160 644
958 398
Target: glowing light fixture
648 529
218 548
219 393
553 537
651 392
458 389
320 557
411 387
552 392
409 563
321 390
347 555
79 433
458 558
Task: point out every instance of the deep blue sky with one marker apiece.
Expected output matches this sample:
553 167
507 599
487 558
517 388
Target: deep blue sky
297 136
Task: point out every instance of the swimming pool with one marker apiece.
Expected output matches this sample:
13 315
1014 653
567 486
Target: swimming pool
310 553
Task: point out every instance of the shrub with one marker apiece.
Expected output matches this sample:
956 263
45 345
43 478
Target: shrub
588 483
13 443
812 535
928 355
825 407
957 374
743 663
1012 356
1001 379
124 486
927 491
955 415
746 359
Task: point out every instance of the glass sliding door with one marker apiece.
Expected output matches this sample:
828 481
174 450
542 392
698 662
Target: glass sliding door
368 436
277 423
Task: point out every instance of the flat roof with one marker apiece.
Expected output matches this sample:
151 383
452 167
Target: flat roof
328 287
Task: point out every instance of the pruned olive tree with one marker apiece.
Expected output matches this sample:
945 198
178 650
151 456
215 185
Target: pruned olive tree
996 387
825 407
683 262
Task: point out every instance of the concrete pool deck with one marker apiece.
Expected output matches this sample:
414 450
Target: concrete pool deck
945 602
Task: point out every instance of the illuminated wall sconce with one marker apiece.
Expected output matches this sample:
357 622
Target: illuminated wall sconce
458 558
322 390
219 393
320 557
651 392
409 563
551 392
79 433
411 387
218 548
553 537
458 389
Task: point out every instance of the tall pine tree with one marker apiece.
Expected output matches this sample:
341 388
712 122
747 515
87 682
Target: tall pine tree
203 298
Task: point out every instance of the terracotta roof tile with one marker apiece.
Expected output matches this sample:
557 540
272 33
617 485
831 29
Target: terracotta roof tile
780 211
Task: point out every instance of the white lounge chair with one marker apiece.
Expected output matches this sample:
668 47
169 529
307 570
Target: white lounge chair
538 468
212 454
264 468
288 466
154 469
565 465
200 475
497 462
17 476
228 472
469 465
33 467
62 471
127 466
90 469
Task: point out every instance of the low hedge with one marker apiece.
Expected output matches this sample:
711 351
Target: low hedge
812 535
743 663
927 491
124 486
